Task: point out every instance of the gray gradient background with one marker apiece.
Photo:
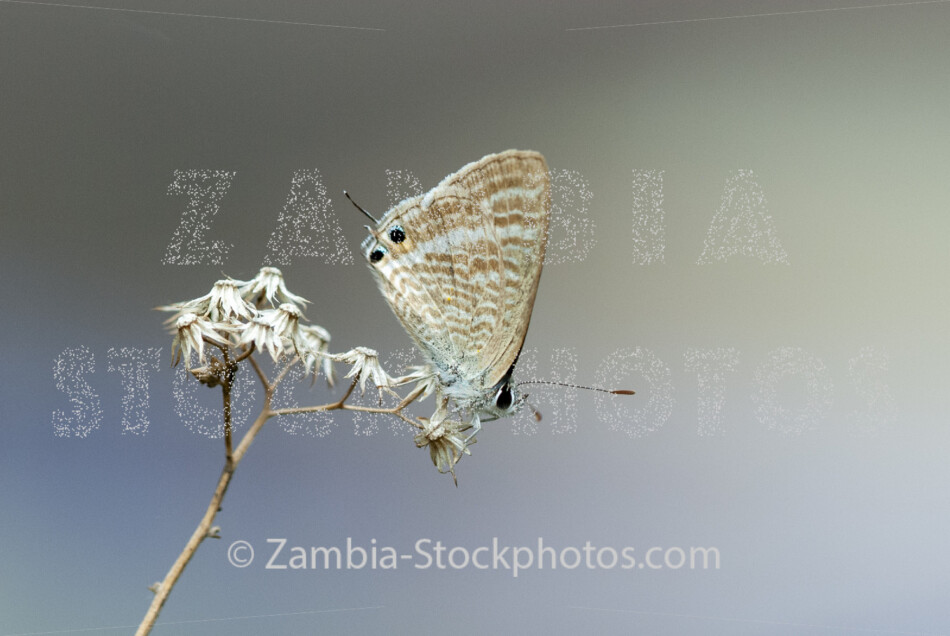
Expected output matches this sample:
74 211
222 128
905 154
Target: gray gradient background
845 118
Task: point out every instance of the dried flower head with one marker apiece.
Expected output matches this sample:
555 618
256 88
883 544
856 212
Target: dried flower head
425 378
269 285
446 439
285 320
366 366
222 303
225 301
313 348
191 333
260 331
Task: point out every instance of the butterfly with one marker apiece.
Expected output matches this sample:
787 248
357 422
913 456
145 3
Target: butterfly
459 267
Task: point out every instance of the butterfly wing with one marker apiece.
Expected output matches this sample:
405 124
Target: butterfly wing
513 193
460 265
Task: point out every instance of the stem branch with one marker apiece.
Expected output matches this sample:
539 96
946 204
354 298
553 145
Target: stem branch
233 458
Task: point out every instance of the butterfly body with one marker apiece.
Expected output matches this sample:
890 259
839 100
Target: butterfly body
460 267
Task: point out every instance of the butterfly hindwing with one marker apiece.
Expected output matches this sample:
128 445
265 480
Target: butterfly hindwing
514 193
460 265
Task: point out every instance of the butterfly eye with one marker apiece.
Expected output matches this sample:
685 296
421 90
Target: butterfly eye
504 399
377 254
397 234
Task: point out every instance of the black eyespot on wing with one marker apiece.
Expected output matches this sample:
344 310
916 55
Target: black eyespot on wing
504 398
377 255
397 234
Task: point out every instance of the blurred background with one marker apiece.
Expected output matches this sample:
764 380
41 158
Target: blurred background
750 230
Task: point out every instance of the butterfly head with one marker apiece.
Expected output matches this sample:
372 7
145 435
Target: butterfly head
504 400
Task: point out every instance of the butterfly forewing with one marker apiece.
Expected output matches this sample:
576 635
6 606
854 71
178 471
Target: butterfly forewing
460 265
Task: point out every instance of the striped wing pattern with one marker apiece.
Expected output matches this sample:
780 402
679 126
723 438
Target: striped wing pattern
460 267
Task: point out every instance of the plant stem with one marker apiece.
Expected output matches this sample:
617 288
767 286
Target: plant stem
232 459
201 532
230 368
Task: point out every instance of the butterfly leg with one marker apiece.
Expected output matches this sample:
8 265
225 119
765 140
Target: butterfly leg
476 425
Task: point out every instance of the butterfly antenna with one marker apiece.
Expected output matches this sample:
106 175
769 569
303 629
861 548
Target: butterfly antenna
372 218
534 411
579 386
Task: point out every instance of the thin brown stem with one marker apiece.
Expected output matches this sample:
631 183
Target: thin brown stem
252 432
349 391
226 396
341 405
393 411
283 372
412 397
201 532
334 406
244 354
230 368
234 458
260 373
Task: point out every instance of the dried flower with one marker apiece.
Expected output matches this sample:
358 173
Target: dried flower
425 377
191 333
446 439
365 365
269 285
225 301
313 347
222 303
260 331
285 320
